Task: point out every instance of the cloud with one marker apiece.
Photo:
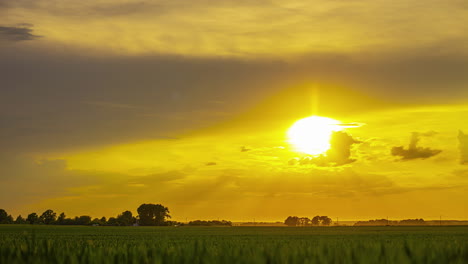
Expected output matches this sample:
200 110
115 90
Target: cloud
413 151
463 146
17 33
339 153
157 178
113 105
210 163
244 149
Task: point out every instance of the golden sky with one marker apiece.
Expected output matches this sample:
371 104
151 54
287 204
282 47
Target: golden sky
109 104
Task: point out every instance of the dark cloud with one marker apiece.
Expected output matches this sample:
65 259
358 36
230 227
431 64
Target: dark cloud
17 33
25 181
340 149
413 151
158 178
463 146
244 149
52 100
339 153
210 163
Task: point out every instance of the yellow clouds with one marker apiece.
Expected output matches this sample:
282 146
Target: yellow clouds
241 28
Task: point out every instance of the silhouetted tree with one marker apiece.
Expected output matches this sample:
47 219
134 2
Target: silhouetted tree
376 222
83 220
297 221
304 221
209 223
125 219
33 218
48 217
112 221
325 220
412 222
100 222
291 221
5 218
20 220
153 214
321 220
316 220
61 219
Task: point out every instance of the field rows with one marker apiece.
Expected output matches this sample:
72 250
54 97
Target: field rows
75 244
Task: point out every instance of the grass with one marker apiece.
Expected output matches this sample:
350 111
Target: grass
83 244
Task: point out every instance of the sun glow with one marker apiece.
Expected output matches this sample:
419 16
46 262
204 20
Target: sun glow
312 134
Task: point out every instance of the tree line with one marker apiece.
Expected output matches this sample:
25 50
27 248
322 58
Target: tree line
210 223
305 221
386 222
148 215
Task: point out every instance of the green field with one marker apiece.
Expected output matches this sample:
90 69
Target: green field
86 244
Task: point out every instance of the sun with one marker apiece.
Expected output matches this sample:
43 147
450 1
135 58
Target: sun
312 134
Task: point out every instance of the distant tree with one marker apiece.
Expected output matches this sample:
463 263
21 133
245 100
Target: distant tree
125 219
376 222
3 217
321 220
412 222
48 217
153 214
292 221
325 220
316 220
112 221
33 218
69 221
208 223
61 219
83 220
99 221
304 221
95 221
20 220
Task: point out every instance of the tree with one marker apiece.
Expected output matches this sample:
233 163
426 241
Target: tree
33 218
292 221
321 220
209 223
10 219
304 221
20 220
125 219
4 219
83 220
61 219
325 220
316 220
112 221
48 217
153 214
95 221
